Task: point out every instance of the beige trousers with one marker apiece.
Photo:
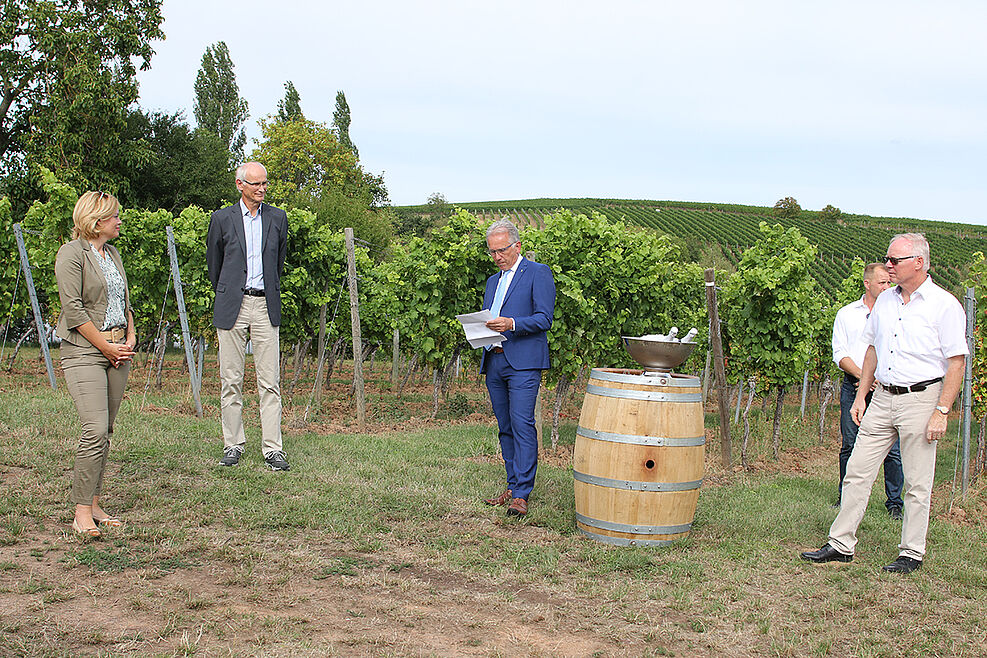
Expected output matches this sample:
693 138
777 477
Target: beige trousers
265 339
891 417
96 388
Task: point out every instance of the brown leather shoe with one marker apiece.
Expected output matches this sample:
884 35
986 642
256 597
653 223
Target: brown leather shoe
502 499
518 507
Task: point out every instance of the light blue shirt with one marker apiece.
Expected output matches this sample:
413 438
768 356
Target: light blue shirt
507 276
253 234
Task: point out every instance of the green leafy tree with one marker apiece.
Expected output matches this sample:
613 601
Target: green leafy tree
830 213
772 307
787 207
184 167
67 75
337 211
218 107
341 123
303 159
290 107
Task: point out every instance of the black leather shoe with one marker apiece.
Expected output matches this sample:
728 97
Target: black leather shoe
896 513
903 565
826 554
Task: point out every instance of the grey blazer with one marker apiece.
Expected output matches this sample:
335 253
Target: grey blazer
82 289
226 258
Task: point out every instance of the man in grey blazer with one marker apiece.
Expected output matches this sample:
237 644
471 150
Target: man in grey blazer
245 251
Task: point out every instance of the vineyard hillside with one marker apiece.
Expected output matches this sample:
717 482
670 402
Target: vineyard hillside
717 234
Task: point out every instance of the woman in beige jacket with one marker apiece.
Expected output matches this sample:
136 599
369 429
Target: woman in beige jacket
98 340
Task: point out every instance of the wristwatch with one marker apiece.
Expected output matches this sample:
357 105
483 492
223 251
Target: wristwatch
943 410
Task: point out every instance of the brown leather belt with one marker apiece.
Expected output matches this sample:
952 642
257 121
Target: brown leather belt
114 335
497 350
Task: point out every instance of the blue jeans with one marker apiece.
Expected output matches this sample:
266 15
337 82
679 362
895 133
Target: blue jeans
893 476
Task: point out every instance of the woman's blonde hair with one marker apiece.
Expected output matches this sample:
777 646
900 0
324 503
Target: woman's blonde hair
89 210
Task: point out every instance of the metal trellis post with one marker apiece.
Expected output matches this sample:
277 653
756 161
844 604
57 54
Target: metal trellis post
194 377
38 320
971 313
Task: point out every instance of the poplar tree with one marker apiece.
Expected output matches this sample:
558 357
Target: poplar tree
341 123
290 107
218 107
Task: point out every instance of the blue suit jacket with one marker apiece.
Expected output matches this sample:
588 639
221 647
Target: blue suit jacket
530 301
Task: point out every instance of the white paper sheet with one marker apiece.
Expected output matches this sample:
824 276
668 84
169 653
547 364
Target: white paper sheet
477 333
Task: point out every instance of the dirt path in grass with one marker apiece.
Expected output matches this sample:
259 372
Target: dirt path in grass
390 602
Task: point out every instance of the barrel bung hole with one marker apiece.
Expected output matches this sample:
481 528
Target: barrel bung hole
650 464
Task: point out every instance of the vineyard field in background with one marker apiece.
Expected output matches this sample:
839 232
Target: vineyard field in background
717 234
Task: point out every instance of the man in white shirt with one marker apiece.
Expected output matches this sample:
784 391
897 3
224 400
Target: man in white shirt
848 354
916 350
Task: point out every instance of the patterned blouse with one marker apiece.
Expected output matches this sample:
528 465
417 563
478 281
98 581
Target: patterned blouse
115 315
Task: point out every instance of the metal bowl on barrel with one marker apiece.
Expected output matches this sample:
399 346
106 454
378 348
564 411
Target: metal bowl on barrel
638 457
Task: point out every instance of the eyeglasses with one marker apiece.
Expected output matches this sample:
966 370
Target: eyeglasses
494 252
262 183
895 261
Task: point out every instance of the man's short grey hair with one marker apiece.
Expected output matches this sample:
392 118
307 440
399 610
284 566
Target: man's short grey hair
502 226
241 171
920 246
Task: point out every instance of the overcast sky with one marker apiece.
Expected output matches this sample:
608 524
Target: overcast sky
875 107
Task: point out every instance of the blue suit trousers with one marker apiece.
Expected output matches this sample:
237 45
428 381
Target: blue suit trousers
512 394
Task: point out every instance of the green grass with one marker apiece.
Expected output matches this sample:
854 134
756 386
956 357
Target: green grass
210 554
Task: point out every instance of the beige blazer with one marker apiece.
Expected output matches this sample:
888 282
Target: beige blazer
82 288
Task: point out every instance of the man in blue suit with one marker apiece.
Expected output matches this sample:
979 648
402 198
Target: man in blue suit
521 297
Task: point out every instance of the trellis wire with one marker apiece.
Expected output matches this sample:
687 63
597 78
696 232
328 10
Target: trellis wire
150 362
318 371
10 313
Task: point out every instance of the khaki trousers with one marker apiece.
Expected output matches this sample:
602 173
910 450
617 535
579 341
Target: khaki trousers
265 339
96 388
890 417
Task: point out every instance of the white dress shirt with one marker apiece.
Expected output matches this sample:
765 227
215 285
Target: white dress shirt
253 235
913 341
847 330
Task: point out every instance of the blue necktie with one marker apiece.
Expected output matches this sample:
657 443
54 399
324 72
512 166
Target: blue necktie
498 300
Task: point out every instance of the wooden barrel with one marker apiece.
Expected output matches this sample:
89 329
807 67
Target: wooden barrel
638 458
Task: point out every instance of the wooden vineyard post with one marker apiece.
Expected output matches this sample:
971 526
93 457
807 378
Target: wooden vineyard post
194 379
361 412
39 321
718 366
395 359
